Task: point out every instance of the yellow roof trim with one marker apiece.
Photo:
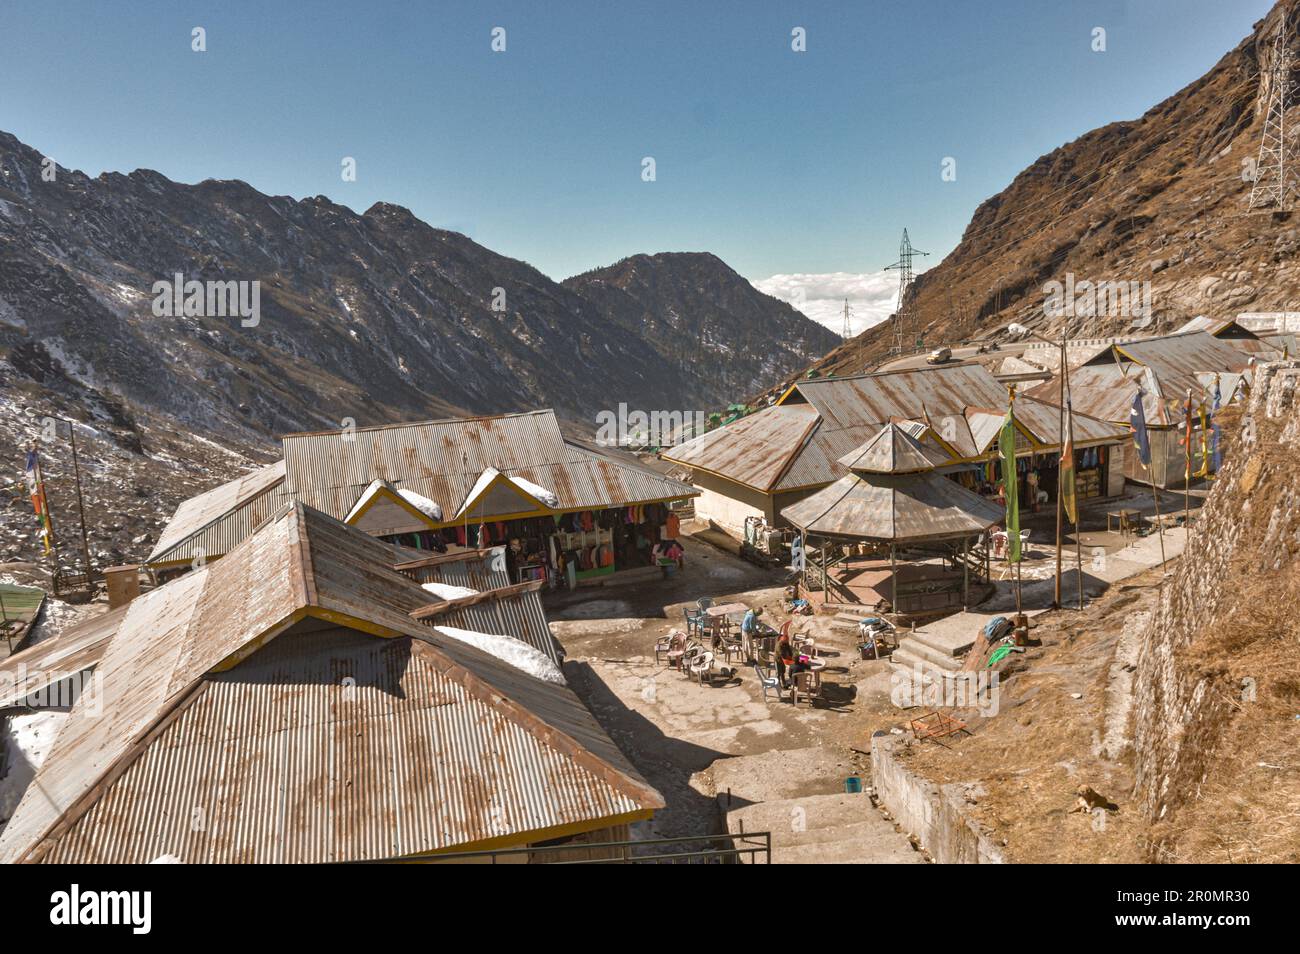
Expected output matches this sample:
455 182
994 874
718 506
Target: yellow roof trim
397 499
525 838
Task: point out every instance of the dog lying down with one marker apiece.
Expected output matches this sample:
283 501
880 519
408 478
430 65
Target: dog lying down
1089 800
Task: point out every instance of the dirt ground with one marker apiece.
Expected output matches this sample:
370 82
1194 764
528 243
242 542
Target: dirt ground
1061 722
1062 711
670 726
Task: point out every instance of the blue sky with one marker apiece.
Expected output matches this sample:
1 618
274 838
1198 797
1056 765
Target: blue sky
781 163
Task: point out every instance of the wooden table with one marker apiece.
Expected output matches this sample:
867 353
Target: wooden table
726 609
1128 520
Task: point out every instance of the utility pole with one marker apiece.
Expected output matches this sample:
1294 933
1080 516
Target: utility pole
905 276
1274 183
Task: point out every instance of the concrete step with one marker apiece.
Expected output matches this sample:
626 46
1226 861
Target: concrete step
849 853
949 647
842 829
779 774
908 658
936 657
813 812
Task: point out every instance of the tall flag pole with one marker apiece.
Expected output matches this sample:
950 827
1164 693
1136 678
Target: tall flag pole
1078 531
1138 422
1011 485
1214 425
40 505
1187 454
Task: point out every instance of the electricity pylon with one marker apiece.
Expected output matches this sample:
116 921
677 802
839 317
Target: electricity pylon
904 267
1274 179
847 333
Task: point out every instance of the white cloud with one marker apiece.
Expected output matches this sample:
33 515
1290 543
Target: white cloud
821 297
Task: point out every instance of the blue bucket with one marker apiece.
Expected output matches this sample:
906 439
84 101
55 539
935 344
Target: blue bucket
853 785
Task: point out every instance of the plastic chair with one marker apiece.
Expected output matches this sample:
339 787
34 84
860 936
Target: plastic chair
702 665
694 620
766 682
664 644
677 650
808 685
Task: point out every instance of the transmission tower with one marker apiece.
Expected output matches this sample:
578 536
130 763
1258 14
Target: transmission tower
1274 179
904 267
847 333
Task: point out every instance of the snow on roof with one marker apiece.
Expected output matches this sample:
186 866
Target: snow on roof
547 497
421 503
447 591
509 650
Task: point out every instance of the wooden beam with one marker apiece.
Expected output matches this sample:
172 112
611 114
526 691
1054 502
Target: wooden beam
442 607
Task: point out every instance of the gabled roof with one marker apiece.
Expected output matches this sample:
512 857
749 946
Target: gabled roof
893 451
754 450
383 510
219 518
1164 368
498 497
286 692
443 460
801 442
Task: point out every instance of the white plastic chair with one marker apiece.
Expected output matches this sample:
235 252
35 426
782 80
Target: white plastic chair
702 665
766 682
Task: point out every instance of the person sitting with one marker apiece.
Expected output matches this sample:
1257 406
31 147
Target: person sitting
788 662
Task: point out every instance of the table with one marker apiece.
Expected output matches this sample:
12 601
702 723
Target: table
726 609
1128 519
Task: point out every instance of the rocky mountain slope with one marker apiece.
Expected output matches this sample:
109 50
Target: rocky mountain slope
1159 199
1217 683
373 317
690 307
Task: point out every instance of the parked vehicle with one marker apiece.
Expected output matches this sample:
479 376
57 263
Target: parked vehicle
939 356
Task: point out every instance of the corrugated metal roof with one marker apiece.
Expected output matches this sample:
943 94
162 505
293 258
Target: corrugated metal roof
873 399
754 450
225 514
801 442
335 746
300 571
72 651
1165 368
893 451
896 508
798 443
442 460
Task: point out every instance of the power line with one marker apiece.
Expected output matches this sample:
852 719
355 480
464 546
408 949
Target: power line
1274 182
905 276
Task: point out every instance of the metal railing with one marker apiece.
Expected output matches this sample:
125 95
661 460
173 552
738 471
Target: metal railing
747 848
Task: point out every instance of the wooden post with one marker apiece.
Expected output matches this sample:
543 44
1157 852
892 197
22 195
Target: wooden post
1078 510
1060 503
893 575
965 574
1187 473
1155 495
